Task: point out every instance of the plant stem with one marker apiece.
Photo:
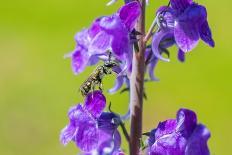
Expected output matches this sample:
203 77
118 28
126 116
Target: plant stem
136 87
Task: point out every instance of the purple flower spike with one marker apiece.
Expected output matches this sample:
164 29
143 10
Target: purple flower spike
182 136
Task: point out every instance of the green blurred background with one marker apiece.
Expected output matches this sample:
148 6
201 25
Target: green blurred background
37 86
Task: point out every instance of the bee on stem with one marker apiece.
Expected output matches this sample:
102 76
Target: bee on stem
96 77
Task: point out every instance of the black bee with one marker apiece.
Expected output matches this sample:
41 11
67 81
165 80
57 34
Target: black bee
96 77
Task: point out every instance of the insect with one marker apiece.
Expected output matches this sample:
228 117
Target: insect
96 77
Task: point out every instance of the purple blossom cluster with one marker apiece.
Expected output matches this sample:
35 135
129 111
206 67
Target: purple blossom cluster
180 136
114 38
93 130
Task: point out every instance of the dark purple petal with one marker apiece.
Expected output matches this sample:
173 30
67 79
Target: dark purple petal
194 14
121 43
80 59
95 103
186 36
187 122
67 134
108 122
197 143
206 35
95 28
129 14
180 5
109 142
181 55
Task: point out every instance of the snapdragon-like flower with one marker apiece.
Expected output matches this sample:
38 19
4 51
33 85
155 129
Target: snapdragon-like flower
180 136
93 130
107 33
186 22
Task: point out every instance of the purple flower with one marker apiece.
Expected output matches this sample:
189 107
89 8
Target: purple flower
107 33
180 136
90 128
185 22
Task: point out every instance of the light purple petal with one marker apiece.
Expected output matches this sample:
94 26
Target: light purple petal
129 14
168 14
109 23
186 36
151 68
95 103
181 55
157 38
67 134
80 59
206 35
165 128
74 113
87 134
82 38
117 85
82 129
180 5
197 143
93 60
187 121
100 43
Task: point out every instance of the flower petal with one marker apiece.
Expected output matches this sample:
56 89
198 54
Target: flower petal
187 121
82 38
95 103
197 143
87 135
186 36
206 35
129 14
80 59
100 43
157 38
121 43
181 55
180 5
151 68
117 85
67 134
